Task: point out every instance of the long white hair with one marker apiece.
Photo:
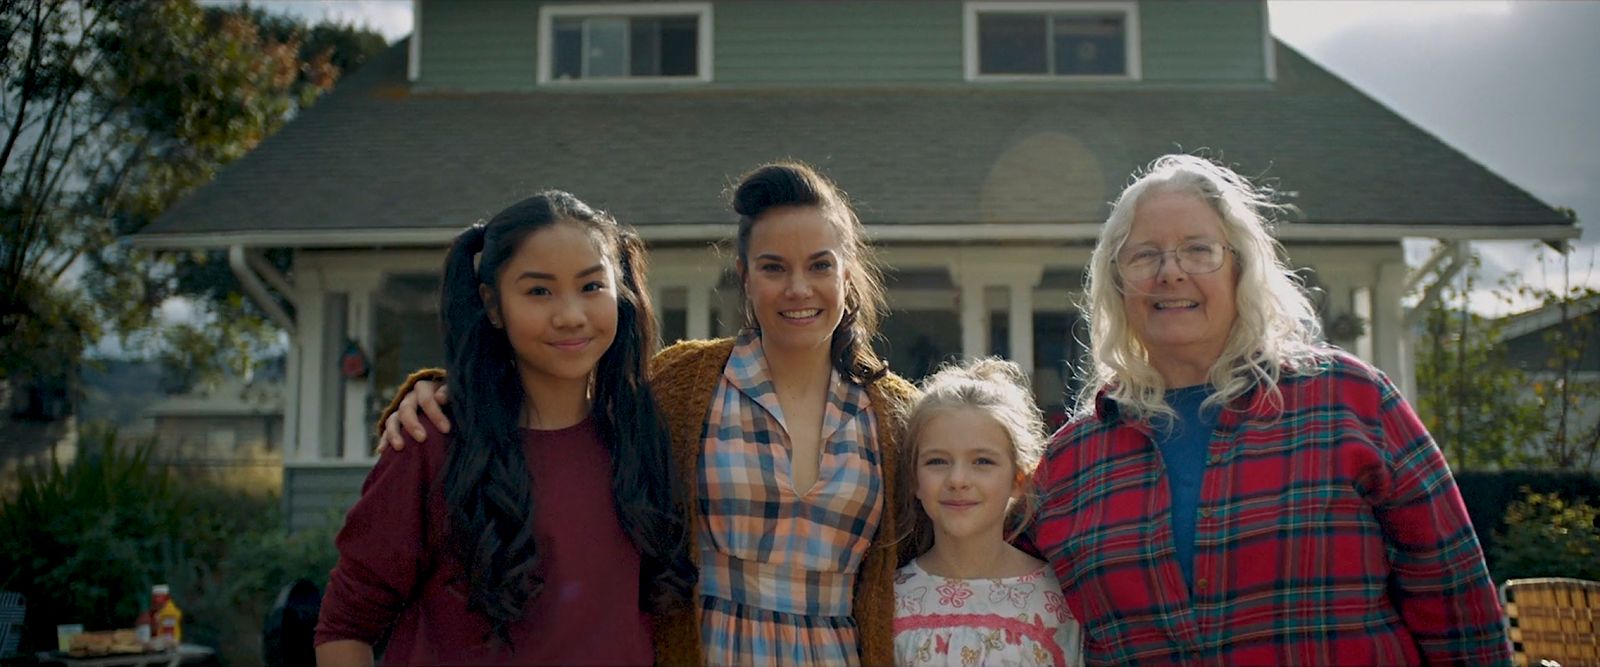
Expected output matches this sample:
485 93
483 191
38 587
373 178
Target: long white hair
1277 330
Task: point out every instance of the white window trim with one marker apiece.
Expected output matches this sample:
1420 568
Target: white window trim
1270 52
414 49
1130 12
548 13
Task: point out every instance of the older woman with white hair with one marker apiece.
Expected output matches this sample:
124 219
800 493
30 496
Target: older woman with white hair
1232 490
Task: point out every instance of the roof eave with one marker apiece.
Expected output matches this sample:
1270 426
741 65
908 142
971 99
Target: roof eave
882 233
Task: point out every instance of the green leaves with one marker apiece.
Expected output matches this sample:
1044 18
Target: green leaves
113 111
1546 536
1493 400
85 541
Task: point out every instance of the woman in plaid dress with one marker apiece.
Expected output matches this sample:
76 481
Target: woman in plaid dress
791 433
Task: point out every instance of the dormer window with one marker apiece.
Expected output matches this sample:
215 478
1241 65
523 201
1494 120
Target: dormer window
665 42
1024 41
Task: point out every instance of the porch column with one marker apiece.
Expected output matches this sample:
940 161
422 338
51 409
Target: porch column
1391 341
1020 326
358 441
698 308
310 359
974 279
974 319
1362 307
698 284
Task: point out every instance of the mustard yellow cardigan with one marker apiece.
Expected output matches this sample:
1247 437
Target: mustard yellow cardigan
684 377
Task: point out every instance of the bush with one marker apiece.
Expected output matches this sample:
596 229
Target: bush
1490 493
1547 536
229 598
85 542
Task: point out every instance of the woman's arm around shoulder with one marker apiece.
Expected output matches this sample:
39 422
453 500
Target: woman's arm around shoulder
423 391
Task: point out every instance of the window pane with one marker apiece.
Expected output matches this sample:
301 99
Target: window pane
566 49
406 335
644 47
1012 44
680 46
608 42
1093 45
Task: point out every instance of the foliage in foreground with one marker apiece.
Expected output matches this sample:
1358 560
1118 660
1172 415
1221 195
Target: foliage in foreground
86 541
1547 536
113 110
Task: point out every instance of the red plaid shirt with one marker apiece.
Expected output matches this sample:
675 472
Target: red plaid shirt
1329 532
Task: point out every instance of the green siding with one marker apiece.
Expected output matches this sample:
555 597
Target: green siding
868 41
1213 40
480 44
492 44
312 495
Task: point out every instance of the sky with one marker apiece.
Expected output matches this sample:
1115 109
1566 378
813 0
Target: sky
1510 83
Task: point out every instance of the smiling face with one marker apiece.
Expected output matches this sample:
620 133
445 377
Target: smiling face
1175 315
966 477
557 303
794 275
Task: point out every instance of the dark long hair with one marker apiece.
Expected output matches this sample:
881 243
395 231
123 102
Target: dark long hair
788 184
486 483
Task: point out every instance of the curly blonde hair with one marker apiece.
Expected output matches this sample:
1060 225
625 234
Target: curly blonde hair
1277 330
999 389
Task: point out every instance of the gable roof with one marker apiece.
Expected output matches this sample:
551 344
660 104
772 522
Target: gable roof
377 163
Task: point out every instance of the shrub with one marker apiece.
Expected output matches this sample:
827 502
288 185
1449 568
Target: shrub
1547 536
1489 493
84 542
230 597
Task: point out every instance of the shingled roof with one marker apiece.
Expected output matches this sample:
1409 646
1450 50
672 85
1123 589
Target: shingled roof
377 163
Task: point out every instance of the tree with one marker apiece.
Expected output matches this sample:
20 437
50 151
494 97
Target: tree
1488 409
1470 396
1560 386
114 110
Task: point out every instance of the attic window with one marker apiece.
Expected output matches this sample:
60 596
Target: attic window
633 42
1019 41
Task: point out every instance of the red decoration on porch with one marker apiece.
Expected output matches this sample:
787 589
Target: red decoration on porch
353 363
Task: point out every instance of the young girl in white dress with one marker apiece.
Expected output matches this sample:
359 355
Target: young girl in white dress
970 597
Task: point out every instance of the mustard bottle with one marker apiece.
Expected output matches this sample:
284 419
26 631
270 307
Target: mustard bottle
168 618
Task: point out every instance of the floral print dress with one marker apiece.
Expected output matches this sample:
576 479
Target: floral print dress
1007 622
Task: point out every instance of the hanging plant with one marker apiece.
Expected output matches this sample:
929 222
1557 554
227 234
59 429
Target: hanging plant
1347 327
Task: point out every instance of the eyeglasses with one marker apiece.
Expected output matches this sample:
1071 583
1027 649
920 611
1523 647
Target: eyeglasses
1193 257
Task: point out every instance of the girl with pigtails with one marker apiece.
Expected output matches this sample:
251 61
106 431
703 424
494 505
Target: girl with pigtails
538 530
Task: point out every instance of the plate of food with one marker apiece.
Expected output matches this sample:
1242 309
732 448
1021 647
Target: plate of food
108 642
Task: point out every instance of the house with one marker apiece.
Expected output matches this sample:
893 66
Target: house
980 141
1525 337
230 431
234 424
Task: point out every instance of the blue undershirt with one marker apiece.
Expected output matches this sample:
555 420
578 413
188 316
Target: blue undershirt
1183 444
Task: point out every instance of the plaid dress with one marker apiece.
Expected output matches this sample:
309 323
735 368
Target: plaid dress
777 566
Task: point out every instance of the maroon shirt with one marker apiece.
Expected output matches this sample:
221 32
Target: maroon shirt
395 569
